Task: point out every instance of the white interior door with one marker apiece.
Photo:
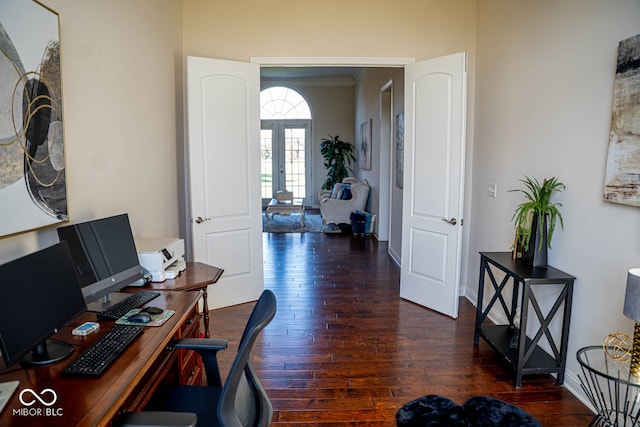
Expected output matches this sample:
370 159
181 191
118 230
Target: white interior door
223 127
435 116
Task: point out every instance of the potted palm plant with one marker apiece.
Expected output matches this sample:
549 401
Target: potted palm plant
535 219
338 156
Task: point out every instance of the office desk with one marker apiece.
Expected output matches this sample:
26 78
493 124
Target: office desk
197 276
126 385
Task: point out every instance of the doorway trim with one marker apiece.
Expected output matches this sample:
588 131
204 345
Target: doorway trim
386 138
293 61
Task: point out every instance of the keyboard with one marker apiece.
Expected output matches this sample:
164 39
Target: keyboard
135 300
95 359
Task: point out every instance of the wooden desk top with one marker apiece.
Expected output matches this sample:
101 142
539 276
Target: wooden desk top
195 277
88 401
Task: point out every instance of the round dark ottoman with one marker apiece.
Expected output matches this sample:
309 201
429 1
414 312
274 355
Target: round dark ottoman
431 410
483 411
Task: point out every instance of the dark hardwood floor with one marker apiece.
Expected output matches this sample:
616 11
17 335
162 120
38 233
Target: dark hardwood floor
344 349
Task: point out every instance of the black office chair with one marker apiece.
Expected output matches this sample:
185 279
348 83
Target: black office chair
242 400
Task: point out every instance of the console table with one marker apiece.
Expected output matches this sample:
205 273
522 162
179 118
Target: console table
512 343
126 385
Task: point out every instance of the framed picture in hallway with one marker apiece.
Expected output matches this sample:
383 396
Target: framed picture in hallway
399 150
33 191
365 145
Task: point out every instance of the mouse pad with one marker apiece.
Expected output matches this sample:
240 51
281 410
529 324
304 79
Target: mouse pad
156 319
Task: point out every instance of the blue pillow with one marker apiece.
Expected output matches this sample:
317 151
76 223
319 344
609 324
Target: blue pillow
346 194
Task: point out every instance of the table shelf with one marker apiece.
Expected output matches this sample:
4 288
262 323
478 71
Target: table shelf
499 338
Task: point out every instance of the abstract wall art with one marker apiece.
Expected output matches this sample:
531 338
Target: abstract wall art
622 177
33 190
365 144
399 150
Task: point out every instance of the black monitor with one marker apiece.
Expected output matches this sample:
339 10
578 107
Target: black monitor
105 257
39 293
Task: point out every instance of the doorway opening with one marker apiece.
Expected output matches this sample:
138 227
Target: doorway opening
285 143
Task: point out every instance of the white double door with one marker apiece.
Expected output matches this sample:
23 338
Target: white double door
225 175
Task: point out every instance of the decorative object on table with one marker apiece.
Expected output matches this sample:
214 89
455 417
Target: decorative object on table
32 161
338 156
365 144
400 150
622 176
632 311
535 219
617 345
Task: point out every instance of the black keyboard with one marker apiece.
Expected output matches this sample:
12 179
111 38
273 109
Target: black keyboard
135 300
95 359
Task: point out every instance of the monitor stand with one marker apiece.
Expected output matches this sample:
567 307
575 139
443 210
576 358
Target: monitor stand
107 301
48 351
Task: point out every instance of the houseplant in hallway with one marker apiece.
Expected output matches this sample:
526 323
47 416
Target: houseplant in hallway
338 156
535 219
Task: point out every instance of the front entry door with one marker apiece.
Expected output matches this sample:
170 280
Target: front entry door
435 116
285 152
223 134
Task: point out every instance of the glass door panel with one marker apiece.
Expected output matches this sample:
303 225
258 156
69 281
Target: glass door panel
294 156
266 164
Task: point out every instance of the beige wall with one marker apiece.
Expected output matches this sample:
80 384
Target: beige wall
119 94
239 30
545 73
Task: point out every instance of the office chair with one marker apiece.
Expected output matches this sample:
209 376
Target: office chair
242 400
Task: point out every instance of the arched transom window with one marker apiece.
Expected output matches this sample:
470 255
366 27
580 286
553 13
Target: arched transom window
280 102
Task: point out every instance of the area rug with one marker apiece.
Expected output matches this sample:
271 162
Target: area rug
291 224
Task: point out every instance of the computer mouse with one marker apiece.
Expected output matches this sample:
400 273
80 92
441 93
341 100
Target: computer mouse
152 310
141 317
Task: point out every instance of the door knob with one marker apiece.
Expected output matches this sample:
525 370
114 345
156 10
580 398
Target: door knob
451 221
200 220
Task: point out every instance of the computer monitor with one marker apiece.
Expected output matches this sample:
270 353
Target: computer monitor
104 253
39 293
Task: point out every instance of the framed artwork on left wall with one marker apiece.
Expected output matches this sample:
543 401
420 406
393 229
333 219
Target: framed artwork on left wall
33 190
365 145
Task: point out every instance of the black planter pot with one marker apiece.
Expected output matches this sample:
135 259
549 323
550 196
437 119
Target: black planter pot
536 253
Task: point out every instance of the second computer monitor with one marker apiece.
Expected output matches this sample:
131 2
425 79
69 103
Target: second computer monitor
105 256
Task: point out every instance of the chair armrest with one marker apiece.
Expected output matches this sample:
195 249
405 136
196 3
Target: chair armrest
323 194
208 349
201 344
158 419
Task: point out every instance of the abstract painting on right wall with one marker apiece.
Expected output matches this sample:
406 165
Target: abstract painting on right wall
622 177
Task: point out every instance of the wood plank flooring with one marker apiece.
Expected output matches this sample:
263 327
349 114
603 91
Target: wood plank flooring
344 349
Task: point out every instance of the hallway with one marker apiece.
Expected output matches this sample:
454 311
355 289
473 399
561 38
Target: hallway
344 349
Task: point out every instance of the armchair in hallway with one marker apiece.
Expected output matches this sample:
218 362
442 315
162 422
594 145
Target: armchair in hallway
337 205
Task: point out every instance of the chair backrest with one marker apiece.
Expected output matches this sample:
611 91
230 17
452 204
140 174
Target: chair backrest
243 401
359 195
